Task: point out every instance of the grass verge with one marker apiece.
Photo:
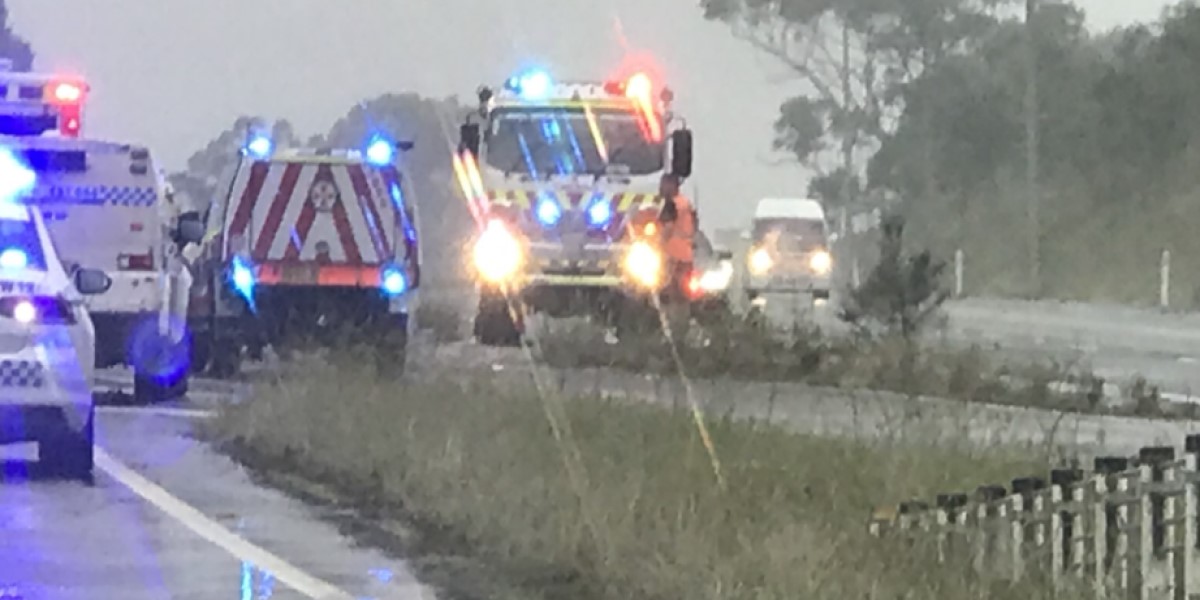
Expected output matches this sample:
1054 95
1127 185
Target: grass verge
475 467
741 349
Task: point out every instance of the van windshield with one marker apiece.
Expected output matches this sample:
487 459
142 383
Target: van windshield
790 235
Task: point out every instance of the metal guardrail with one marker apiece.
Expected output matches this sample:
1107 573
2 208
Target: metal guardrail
1128 529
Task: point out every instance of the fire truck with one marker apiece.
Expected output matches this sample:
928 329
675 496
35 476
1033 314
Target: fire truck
563 179
106 207
304 245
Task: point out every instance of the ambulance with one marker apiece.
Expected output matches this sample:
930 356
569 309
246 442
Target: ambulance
306 245
104 204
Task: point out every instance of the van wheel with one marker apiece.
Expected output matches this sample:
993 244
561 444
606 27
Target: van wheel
148 389
391 348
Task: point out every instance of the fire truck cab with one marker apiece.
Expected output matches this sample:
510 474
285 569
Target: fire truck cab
563 179
306 244
106 207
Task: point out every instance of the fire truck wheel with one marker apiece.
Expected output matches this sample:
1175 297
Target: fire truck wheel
494 325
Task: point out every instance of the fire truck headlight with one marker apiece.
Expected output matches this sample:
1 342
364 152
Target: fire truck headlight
760 261
644 265
497 254
820 262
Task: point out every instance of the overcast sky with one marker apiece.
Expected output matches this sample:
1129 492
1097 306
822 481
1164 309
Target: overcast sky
173 73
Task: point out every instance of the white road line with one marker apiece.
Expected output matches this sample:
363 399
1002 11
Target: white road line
158 411
212 531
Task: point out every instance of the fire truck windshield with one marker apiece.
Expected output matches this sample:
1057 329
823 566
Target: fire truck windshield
542 141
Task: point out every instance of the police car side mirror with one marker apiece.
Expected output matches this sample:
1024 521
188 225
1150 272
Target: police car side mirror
92 281
681 153
190 229
724 255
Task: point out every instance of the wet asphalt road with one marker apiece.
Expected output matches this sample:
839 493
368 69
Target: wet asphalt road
67 540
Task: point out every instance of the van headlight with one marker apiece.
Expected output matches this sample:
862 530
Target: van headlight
760 261
497 255
644 265
820 262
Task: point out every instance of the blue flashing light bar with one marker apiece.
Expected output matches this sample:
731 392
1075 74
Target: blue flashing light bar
548 212
16 179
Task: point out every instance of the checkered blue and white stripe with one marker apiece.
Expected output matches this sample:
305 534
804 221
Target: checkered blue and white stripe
96 195
22 374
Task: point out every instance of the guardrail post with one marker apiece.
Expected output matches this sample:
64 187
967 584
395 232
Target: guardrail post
1146 530
949 508
1062 522
958 273
1025 491
1164 280
990 506
1107 529
855 276
1187 542
1156 458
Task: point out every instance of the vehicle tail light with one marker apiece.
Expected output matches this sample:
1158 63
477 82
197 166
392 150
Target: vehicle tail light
135 262
40 310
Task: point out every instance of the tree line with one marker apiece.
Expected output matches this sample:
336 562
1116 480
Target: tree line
921 102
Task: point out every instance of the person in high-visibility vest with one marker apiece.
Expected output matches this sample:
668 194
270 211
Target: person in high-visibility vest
679 232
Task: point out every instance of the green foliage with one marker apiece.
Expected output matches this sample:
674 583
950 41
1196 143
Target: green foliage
13 47
901 293
936 118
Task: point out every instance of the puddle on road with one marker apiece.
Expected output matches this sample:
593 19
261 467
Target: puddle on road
258 584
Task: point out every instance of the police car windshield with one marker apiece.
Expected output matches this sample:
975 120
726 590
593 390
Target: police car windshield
21 236
543 141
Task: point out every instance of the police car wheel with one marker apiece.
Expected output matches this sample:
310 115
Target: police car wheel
69 453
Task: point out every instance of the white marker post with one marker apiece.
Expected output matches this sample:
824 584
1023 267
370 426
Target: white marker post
1164 280
958 273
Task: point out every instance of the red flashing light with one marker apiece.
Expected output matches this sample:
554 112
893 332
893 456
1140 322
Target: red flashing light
638 86
68 92
693 285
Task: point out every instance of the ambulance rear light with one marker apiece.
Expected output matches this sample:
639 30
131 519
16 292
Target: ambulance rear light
135 262
66 92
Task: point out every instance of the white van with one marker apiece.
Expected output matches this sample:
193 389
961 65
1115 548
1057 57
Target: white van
789 249
106 207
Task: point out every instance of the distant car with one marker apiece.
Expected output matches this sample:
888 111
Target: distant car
789 249
47 343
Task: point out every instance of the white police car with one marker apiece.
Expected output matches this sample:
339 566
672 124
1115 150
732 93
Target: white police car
47 342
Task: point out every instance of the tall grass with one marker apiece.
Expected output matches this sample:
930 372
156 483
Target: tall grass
618 500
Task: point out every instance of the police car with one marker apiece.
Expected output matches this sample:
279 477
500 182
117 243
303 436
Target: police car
47 342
